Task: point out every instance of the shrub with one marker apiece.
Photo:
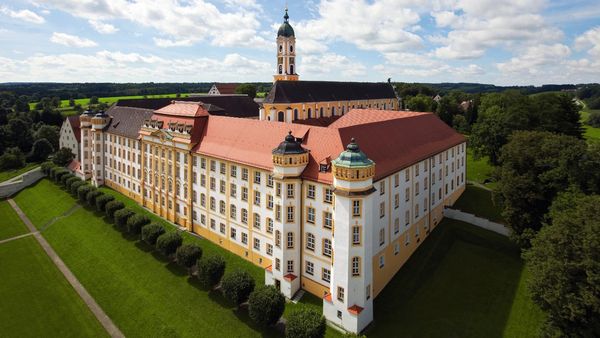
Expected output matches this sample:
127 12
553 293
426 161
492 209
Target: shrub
63 156
75 186
102 201
187 255
151 232
305 323
12 158
237 286
111 207
210 270
168 243
121 216
266 305
91 196
136 222
46 166
64 178
40 151
52 172
58 174
82 192
70 181
594 119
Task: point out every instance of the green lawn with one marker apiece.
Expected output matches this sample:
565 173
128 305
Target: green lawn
478 201
462 282
110 100
36 300
44 201
590 133
479 170
8 174
126 277
10 223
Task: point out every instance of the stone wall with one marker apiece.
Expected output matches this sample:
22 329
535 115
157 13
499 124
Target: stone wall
19 183
477 221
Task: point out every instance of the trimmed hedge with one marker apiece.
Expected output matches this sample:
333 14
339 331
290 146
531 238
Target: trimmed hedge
187 255
305 323
91 196
121 216
151 232
237 286
111 207
168 243
58 174
266 305
136 222
210 270
64 178
75 186
47 166
83 190
70 181
102 200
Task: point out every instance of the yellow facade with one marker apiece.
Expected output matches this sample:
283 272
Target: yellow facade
305 110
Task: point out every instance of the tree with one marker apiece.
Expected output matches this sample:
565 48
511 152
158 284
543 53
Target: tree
557 113
121 217
151 232
237 286
91 196
168 243
51 116
75 187
71 102
420 103
211 270
102 201
12 158
46 166
305 323
535 166
564 264
19 134
246 88
594 119
40 151
112 207
82 192
65 178
187 255
63 157
447 108
459 123
266 305
94 100
50 133
136 222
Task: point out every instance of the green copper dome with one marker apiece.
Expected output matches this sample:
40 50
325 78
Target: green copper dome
286 29
352 157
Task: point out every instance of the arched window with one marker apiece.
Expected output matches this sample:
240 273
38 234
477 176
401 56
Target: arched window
280 116
280 69
332 111
292 69
280 48
321 112
343 109
309 113
291 48
295 114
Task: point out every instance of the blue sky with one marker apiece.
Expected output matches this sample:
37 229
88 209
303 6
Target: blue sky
502 42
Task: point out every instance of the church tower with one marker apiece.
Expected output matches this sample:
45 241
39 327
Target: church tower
286 52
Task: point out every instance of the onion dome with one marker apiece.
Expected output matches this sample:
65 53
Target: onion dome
289 146
286 29
352 157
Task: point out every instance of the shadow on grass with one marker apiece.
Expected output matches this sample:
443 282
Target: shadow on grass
242 315
176 269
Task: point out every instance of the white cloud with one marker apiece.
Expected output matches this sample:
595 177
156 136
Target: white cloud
591 40
103 28
24 14
321 66
194 21
112 66
166 43
535 59
71 40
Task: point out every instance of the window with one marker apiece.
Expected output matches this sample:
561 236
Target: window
326 275
212 183
257 177
382 210
290 266
232 233
290 214
213 224
223 169
270 181
222 208
277 264
212 204
327 247
356 235
203 180
417 189
327 220
356 208
425 183
396 201
290 191
244 174
381 188
381 237
232 211
368 292
233 171
310 215
222 228
310 268
256 221
340 293
257 198
396 180
355 266
407 174
310 192
328 196
213 165
396 248
407 218
270 202
290 240
244 194
278 238
310 241
407 195
269 249
278 212
396 225
381 261
244 216
417 210
257 244
233 190
244 238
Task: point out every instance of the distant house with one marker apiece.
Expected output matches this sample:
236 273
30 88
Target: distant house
70 137
223 88
465 105
437 98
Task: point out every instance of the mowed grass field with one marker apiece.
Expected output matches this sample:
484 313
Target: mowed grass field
478 201
35 299
590 133
8 174
462 282
144 295
10 223
44 202
109 100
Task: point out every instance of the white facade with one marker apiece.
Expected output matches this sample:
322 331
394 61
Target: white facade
68 139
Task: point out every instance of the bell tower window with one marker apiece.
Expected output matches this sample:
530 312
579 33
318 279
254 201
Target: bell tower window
280 48
292 69
291 48
280 69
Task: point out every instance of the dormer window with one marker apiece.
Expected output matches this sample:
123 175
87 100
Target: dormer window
323 168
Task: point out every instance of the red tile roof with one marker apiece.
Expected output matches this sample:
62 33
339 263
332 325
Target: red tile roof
290 277
75 125
355 310
327 297
394 140
184 109
269 268
74 166
227 88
